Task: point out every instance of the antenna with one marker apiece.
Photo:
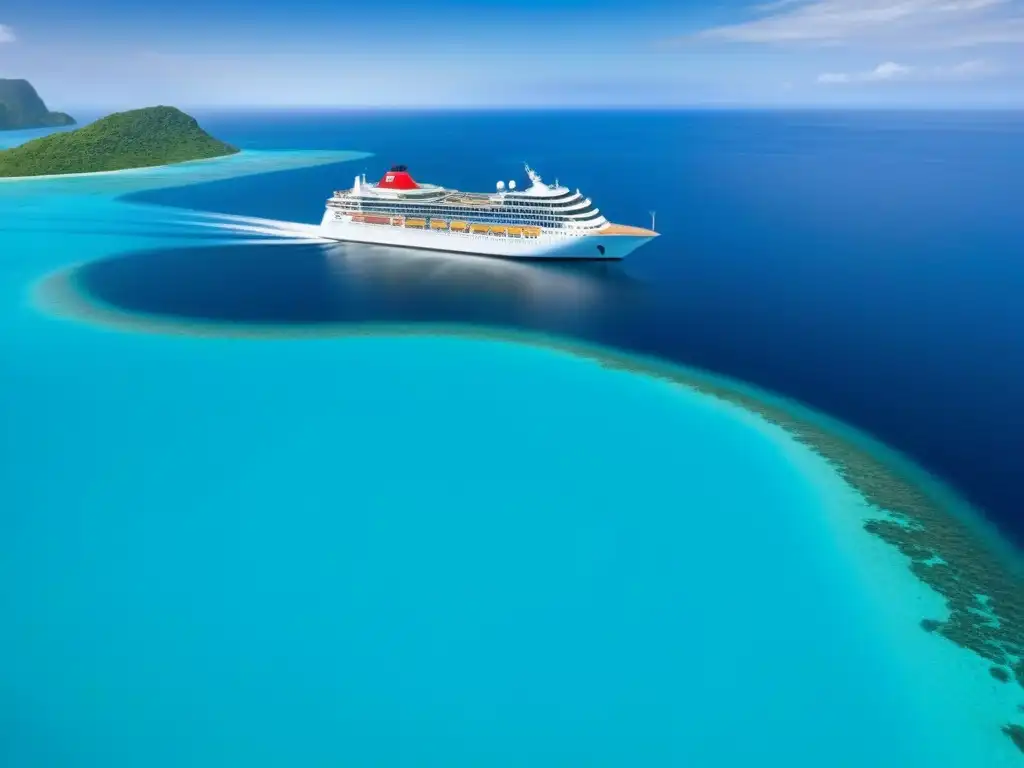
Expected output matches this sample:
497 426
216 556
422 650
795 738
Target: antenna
652 218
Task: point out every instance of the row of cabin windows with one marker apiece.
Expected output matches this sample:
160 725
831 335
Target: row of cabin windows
546 203
560 196
521 223
580 214
543 205
575 213
338 215
506 218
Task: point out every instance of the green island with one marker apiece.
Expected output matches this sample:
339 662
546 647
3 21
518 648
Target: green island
21 108
139 138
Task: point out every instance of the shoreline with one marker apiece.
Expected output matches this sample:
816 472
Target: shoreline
140 168
115 185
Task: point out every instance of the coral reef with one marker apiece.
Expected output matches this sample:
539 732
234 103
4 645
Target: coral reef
1016 734
985 597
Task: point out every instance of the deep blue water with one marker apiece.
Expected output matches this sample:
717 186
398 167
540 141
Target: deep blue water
868 264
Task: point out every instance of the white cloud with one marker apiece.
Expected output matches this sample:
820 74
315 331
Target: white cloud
945 23
890 71
6 34
966 70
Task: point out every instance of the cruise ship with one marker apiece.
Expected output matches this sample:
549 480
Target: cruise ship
542 221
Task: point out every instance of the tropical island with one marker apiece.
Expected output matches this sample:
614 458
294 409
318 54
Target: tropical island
139 138
21 108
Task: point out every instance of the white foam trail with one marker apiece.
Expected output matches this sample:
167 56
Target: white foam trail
262 241
292 230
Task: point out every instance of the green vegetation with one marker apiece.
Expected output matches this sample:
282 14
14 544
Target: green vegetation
136 139
21 107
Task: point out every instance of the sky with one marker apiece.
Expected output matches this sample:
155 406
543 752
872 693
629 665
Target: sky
517 53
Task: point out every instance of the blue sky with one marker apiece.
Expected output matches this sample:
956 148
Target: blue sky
492 53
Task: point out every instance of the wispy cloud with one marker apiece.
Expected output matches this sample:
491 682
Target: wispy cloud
947 23
6 34
890 72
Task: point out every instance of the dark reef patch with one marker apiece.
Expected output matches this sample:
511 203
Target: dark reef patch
1016 734
1000 674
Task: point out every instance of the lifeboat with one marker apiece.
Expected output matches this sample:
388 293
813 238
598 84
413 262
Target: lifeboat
358 218
459 226
479 229
418 223
515 231
377 219
531 231
438 224
499 230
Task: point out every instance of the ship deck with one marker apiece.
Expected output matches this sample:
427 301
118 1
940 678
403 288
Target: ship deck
625 229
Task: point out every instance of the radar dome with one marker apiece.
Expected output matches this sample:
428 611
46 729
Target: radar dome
501 185
511 185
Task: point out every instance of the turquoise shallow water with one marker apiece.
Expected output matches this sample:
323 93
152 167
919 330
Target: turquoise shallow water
386 551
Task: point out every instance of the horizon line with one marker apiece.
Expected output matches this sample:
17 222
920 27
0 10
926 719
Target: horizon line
713 107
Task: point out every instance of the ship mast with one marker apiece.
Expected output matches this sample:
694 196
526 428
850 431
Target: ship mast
534 177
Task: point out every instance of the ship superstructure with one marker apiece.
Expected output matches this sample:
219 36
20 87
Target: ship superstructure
540 221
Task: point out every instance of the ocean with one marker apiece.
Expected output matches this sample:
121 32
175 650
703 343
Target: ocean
271 501
868 264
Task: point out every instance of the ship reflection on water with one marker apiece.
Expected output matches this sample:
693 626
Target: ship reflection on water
316 283
425 285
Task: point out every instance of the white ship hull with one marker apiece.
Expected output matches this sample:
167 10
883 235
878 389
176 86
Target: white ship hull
591 246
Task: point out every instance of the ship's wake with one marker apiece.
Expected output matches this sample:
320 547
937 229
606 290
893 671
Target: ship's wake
251 229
